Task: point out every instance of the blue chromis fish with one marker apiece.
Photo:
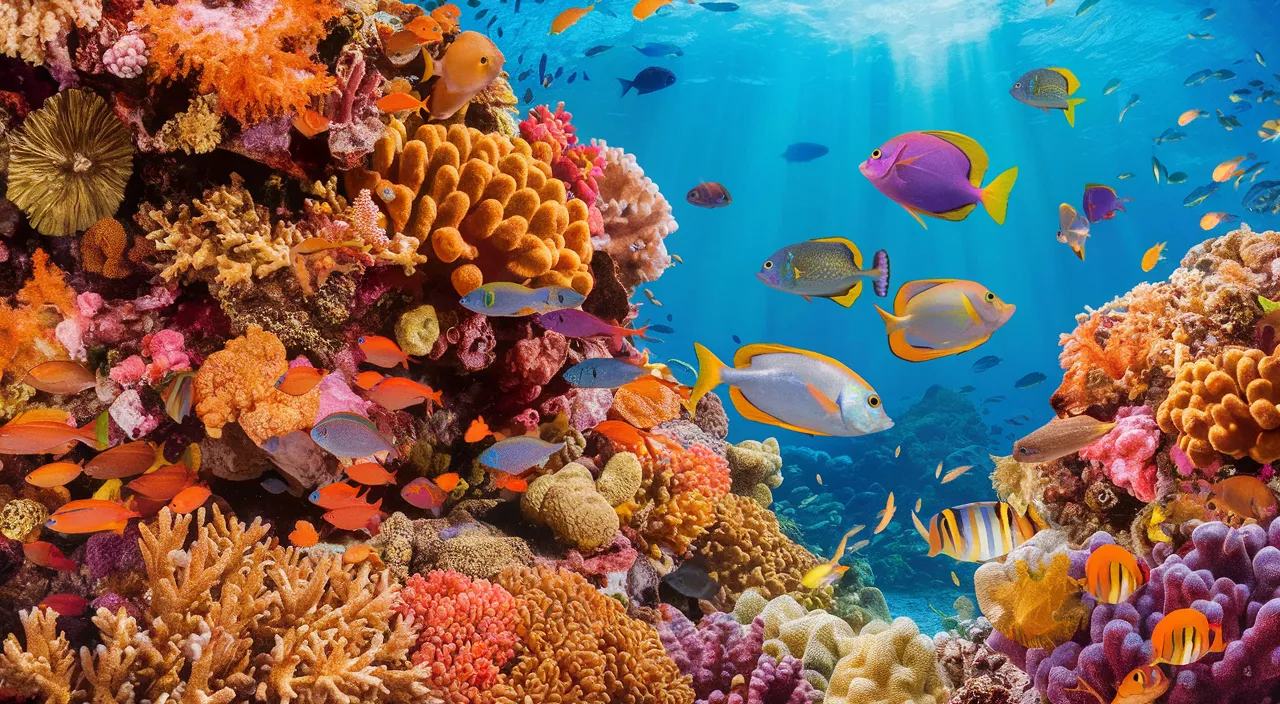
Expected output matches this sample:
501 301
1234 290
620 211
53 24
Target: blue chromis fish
827 268
986 363
508 300
1073 229
515 455
604 373
976 532
1029 380
935 318
349 435
794 389
1049 89
659 50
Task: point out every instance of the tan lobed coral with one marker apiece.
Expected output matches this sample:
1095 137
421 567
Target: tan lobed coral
102 249
756 467
1030 597
578 645
231 617
237 384
569 504
27 26
417 330
228 239
477 550
487 203
637 218
1226 405
888 664
746 549
817 638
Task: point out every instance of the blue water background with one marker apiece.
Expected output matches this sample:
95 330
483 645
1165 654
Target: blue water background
853 74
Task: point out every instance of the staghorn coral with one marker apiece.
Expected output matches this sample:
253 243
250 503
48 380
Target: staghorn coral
228 239
28 26
637 218
237 385
579 645
68 163
1031 598
745 549
889 663
488 206
102 249
1127 453
1226 405
256 55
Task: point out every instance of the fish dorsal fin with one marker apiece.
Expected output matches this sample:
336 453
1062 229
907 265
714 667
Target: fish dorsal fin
1087 186
911 289
977 155
742 358
853 248
1073 83
750 412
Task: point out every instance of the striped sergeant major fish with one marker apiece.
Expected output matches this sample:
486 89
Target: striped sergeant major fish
977 532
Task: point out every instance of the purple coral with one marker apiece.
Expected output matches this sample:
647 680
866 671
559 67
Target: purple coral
534 361
777 682
714 652
110 553
353 116
1126 454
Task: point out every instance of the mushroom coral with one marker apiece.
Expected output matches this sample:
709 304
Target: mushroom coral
256 55
69 162
578 645
488 205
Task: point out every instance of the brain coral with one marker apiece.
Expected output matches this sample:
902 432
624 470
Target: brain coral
571 506
816 638
490 208
746 549
578 645
888 664
755 468
1226 405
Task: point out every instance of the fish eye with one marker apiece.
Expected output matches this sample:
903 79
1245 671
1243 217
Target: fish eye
360 340
1024 450
990 297
875 154
873 401
768 264
484 60
1017 84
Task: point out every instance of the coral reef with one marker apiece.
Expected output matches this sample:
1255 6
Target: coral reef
745 549
1225 405
890 663
636 218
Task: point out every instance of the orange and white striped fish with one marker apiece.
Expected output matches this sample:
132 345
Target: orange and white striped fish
1113 574
976 532
1183 637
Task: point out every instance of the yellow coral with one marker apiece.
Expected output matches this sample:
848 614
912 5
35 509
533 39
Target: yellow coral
620 479
817 638
888 664
237 384
1226 405
1031 599
569 504
755 467
196 130
491 210
1015 483
21 519
417 330
746 549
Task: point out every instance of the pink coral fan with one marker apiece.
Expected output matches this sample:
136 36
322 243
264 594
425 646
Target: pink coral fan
579 167
636 218
554 128
127 58
354 123
468 630
1126 453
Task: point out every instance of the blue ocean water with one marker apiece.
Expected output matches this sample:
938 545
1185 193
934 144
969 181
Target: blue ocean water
851 74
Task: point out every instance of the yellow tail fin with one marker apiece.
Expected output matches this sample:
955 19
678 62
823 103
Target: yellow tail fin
892 323
995 197
709 369
1070 112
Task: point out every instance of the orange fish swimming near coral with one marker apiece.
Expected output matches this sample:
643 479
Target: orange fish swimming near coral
304 535
383 352
370 474
60 378
310 123
645 8
368 380
91 516
127 460
448 481
333 496
469 65
510 482
1143 685
479 430
395 393
355 516
299 380
569 17
1113 574
66 604
447 17
48 555
54 474
356 554
38 432
163 484
190 499
1183 637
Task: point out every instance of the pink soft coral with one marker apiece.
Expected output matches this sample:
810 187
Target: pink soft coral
554 128
468 630
1126 453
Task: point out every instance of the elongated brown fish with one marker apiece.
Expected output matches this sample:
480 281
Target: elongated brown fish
1060 437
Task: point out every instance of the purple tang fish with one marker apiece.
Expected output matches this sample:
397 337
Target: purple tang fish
938 174
571 322
1101 203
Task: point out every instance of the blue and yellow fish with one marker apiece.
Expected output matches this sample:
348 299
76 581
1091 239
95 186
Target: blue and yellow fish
508 300
976 532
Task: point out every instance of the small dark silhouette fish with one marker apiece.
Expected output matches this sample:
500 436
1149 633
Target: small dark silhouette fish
559 72
737 340
499 32
986 411
993 399
1208 13
691 580
996 430
490 25
524 74
528 96
709 195
664 329
1198 77
986 363
473 3
1013 421
598 50
669 318
521 59
651 79
1198 196
1224 74
1178 177
656 49
573 76
968 388
542 67
1029 380
585 77
482 13
804 151
546 80
720 6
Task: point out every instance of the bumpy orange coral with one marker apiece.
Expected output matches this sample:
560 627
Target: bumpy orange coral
1226 405
256 55
26 331
578 645
237 384
103 249
746 549
489 206
700 469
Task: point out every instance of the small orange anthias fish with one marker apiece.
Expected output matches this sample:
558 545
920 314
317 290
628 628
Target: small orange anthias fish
162 484
470 64
448 481
66 604
356 554
395 393
1143 685
190 499
427 28
568 18
91 516
370 474
383 352
310 123
447 16
299 380
355 516
1113 574
304 535
41 431
478 430
60 378
510 482
127 460
423 493
337 495
48 555
368 380
395 102
1183 637
54 474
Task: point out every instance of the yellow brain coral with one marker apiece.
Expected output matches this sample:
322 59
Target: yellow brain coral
1226 405
578 645
746 549
1030 598
237 384
817 638
489 207
569 504
888 664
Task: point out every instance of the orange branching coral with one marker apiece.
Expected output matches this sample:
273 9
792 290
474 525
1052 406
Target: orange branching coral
103 249
237 384
490 208
700 469
1030 598
746 549
675 504
1226 405
27 331
578 645
645 403
256 55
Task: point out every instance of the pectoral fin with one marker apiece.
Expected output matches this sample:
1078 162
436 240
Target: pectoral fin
827 404
916 215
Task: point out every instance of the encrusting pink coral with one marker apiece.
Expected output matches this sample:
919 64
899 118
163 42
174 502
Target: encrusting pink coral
1127 453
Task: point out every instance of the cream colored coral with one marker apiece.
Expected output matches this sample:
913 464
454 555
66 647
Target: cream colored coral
1016 484
196 130
27 25
814 637
569 504
637 218
46 667
755 467
888 664
620 479
1226 405
228 239
417 330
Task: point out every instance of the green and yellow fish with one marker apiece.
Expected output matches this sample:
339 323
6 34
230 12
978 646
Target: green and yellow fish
827 268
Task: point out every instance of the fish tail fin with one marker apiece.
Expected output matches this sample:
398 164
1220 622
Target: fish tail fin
1070 112
892 323
88 434
710 369
881 261
995 197
626 86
